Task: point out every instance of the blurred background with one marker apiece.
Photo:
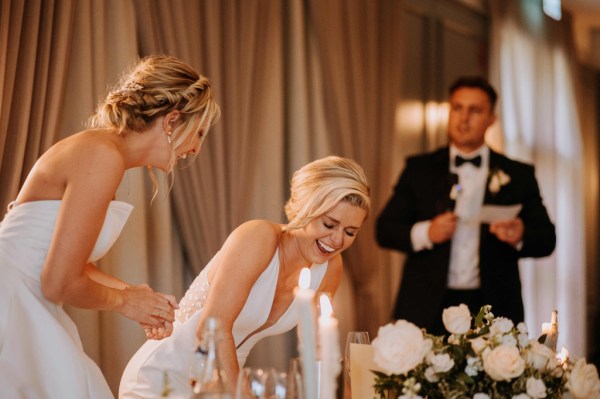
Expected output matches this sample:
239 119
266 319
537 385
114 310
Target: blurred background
301 79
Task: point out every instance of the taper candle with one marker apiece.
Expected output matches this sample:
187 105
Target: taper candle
307 333
329 346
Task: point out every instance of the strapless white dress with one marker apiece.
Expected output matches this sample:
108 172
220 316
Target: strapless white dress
41 354
143 376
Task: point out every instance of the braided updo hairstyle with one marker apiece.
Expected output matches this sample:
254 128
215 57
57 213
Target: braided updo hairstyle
155 86
319 186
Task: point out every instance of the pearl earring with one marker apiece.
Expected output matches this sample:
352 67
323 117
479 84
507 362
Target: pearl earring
169 138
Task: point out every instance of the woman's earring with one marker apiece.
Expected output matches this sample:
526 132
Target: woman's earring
169 138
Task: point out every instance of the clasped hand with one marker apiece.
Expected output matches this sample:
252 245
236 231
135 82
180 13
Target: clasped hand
153 310
509 231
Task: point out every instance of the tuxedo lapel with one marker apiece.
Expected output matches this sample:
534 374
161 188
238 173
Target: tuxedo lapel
443 180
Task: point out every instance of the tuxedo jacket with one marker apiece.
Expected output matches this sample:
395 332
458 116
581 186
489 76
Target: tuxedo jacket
422 192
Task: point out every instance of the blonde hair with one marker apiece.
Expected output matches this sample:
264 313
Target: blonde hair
319 186
153 87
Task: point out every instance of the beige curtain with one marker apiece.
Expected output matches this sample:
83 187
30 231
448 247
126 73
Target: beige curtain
532 59
34 48
357 46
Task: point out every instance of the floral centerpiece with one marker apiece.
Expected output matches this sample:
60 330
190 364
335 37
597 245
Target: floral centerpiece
484 358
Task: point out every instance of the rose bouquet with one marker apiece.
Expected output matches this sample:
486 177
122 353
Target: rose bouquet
484 358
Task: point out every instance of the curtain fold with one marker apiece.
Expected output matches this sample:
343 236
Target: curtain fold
532 68
360 63
34 44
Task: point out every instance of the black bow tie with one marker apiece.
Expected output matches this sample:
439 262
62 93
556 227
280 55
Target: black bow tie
476 161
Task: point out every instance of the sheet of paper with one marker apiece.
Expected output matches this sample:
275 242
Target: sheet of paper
494 213
361 377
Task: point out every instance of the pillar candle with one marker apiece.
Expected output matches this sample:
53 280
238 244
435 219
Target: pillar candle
307 336
329 345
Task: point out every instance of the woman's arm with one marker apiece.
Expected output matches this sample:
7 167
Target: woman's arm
100 277
242 259
93 170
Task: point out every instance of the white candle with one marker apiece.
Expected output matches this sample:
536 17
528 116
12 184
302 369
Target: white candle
307 333
546 328
329 350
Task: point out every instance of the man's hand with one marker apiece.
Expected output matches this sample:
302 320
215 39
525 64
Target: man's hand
442 227
509 231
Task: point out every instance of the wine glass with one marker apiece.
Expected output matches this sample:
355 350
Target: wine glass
354 337
295 387
250 384
274 384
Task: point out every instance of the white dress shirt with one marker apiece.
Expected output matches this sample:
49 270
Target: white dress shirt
464 254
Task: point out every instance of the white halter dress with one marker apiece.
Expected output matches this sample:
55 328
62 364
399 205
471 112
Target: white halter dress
41 354
143 376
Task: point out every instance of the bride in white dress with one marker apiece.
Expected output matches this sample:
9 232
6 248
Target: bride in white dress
64 218
249 283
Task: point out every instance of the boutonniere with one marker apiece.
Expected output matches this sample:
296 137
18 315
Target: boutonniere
455 191
498 179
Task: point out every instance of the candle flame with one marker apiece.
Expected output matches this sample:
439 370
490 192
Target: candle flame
546 328
563 356
326 308
304 280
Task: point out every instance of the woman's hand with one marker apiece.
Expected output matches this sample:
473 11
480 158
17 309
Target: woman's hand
149 308
159 332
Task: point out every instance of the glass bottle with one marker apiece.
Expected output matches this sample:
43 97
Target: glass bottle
211 382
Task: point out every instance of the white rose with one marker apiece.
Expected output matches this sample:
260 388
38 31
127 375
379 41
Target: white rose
523 340
509 340
522 328
538 355
430 375
501 325
399 347
478 344
555 367
441 362
454 339
503 363
536 388
457 319
584 382
473 366
494 186
481 396
503 177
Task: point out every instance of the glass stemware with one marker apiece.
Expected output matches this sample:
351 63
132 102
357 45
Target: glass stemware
250 384
295 387
274 384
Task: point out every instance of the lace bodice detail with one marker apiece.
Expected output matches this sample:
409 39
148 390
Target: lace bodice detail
195 297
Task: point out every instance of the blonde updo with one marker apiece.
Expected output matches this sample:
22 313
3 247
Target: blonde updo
155 86
320 185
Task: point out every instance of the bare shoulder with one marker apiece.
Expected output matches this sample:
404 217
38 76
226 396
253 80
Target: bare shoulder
248 251
88 161
88 149
256 238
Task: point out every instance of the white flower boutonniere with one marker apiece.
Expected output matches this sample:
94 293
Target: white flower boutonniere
498 179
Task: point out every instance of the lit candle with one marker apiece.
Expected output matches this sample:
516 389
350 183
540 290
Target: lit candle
329 350
551 331
307 333
546 328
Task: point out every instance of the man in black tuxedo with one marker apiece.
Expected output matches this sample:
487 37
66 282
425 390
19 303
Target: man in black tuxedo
433 216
